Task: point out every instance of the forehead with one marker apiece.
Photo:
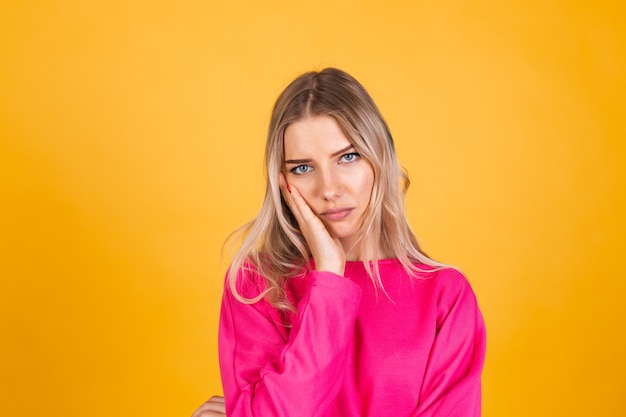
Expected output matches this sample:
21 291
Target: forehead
314 136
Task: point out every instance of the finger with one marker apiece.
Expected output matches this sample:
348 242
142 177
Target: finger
298 205
285 190
311 226
292 197
215 406
216 399
282 184
208 413
327 250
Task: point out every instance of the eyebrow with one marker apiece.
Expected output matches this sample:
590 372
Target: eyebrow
304 161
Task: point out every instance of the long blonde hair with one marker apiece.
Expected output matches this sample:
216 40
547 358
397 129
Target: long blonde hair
271 243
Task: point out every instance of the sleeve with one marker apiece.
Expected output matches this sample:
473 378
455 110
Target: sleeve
452 383
269 373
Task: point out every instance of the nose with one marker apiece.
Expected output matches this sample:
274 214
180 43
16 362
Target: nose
329 185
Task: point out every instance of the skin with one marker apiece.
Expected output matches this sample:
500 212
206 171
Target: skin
214 407
327 187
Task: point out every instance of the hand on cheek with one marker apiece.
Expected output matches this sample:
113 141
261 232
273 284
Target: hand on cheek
327 251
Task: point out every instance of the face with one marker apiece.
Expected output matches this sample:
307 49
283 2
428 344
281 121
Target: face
331 176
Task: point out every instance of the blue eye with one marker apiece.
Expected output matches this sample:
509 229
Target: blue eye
301 169
350 157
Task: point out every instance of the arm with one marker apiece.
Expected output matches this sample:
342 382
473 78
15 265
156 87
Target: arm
452 385
268 373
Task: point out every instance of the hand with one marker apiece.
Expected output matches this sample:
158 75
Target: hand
214 407
327 251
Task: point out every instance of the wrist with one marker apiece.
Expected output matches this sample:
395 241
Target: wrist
337 269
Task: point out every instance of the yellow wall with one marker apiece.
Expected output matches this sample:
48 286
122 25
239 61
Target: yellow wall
131 137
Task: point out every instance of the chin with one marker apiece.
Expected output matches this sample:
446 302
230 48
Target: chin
342 235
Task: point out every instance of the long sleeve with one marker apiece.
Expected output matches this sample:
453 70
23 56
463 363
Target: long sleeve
268 370
452 385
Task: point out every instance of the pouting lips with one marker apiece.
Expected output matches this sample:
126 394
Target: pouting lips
336 214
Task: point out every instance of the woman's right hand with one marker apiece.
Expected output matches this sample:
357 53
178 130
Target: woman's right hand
214 407
326 250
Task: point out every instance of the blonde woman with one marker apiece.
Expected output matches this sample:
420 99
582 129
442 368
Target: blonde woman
330 308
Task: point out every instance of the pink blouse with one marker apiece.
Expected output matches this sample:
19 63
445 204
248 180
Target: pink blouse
351 350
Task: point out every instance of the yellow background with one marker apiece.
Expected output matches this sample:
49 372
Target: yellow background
131 138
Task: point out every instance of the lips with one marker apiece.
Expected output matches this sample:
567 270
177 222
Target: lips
336 214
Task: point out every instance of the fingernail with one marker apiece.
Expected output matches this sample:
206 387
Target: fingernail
289 188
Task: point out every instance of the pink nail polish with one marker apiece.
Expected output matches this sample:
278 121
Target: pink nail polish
289 188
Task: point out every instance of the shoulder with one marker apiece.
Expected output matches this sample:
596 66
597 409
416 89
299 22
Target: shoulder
451 285
447 276
456 301
452 279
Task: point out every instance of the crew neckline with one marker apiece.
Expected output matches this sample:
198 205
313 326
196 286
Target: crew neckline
379 261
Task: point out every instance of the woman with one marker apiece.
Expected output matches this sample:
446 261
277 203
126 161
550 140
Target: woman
330 307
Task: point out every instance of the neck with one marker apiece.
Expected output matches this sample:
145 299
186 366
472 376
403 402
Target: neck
354 251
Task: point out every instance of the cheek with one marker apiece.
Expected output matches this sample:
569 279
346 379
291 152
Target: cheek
366 194
366 185
306 191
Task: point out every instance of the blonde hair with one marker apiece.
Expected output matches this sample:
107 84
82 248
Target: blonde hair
271 243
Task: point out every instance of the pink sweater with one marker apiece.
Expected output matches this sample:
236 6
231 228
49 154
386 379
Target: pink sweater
351 351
